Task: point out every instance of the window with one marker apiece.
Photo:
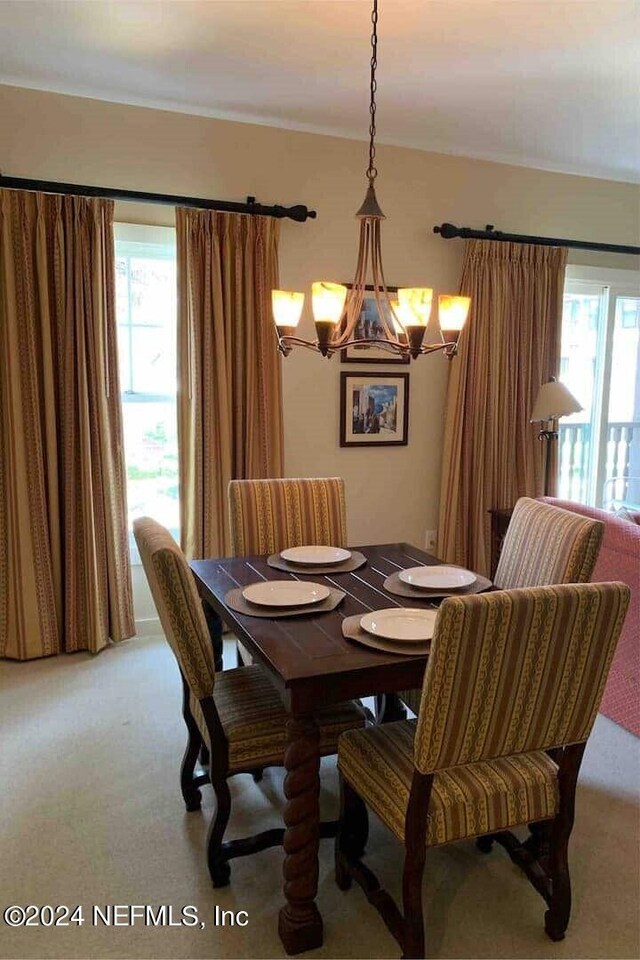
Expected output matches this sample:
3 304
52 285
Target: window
146 316
600 364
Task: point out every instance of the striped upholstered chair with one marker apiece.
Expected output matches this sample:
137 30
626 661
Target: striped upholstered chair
267 516
237 714
543 545
510 695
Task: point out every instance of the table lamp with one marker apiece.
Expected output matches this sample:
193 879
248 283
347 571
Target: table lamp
553 401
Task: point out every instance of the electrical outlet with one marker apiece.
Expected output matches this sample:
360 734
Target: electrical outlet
430 539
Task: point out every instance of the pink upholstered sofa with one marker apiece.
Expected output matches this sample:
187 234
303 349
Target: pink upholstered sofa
619 559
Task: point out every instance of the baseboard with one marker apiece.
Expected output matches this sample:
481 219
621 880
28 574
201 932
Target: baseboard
149 627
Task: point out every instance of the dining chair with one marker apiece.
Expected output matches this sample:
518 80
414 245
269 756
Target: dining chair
236 713
512 676
543 545
267 516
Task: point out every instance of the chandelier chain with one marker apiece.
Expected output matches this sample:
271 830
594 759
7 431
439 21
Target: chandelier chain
372 171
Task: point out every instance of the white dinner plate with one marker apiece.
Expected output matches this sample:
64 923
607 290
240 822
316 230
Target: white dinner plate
437 577
315 555
392 646
400 623
285 593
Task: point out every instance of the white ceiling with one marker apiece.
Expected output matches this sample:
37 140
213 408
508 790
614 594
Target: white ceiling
552 84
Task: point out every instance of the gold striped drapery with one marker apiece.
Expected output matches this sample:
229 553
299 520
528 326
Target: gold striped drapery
65 581
511 345
229 378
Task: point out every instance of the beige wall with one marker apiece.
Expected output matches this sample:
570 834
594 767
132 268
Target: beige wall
392 493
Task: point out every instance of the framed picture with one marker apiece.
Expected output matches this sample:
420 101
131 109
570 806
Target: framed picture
374 409
369 326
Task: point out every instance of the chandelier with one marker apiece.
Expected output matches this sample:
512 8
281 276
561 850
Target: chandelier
337 308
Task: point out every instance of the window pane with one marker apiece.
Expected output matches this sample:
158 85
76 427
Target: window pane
151 452
580 334
122 288
153 291
146 314
622 485
154 359
582 318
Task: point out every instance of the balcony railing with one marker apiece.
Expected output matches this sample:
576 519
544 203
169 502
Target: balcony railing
622 469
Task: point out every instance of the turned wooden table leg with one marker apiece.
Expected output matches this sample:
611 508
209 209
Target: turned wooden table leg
300 923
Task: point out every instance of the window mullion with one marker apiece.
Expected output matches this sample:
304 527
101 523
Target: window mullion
129 325
603 390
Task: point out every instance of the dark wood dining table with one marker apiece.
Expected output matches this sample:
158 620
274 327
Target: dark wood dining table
312 665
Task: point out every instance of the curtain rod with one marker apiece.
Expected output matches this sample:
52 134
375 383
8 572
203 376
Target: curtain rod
299 212
448 231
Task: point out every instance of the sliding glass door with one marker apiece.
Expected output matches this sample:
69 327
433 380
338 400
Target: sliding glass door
600 364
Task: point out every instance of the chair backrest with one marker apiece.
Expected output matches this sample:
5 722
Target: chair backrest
545 545
516 671
178 604
267 516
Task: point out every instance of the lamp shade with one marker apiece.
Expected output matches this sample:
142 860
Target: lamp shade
452 312
287 307
327 301
415 306
553 401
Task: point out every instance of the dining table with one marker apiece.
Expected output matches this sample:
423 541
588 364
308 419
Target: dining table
312 665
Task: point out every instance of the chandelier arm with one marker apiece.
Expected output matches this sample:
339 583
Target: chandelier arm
394 346
286 343
383 301
355 295
353 308
449 349
391 346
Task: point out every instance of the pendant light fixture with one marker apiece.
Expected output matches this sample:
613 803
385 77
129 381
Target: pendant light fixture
337 308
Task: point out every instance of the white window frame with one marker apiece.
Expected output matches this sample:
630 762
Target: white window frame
613 283
157 243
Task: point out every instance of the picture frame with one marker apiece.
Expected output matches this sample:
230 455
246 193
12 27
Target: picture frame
374 409
364 328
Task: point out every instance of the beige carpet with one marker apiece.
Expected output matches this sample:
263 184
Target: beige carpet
92 814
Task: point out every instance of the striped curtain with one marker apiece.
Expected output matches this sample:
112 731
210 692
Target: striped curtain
510 347
229 376
65 581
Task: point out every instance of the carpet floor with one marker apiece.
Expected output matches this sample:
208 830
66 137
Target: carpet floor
91 813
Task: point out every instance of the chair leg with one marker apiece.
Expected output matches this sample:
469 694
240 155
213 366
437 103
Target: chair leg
355 825
190 793
353 832
484 844
218 865
556 918
205 759
413 926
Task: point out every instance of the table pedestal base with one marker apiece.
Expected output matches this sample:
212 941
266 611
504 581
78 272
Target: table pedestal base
300 923
301 930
